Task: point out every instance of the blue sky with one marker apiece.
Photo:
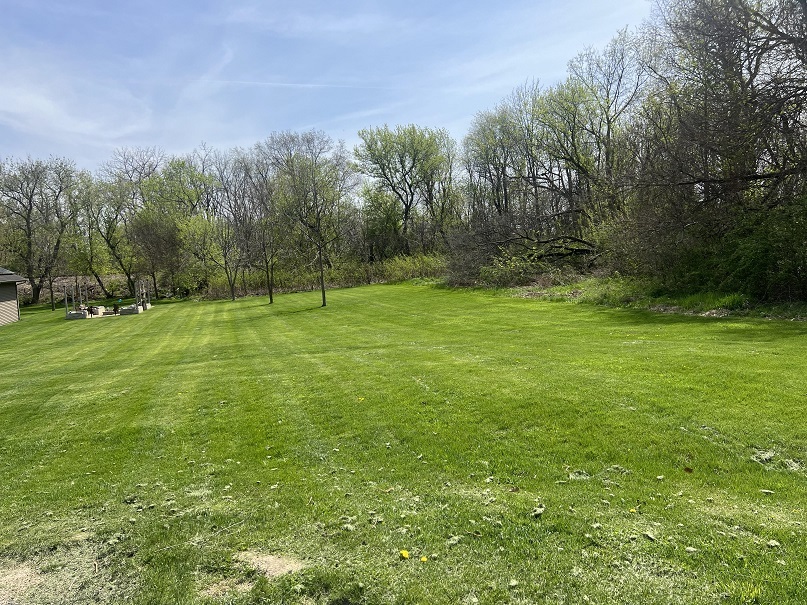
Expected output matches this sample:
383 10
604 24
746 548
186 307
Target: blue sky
80 78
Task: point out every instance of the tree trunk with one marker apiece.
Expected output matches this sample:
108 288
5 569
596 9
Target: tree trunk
97 277
154 282
36 289
321 274
231 279
405 234
52 299
270 280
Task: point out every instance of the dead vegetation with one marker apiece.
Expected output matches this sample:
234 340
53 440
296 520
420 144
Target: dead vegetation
67 575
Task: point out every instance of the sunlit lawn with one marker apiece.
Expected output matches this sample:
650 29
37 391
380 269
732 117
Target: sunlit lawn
518 450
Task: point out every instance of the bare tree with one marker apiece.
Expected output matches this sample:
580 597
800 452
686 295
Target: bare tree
37 198
89 252
316 177
615 80
269 223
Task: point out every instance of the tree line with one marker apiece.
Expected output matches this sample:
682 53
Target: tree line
678 151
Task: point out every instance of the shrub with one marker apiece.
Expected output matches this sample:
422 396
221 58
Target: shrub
506 271
402 268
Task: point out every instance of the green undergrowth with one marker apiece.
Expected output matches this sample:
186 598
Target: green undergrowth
405 444
633 293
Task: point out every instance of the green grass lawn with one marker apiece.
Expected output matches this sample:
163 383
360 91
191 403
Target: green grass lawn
519 451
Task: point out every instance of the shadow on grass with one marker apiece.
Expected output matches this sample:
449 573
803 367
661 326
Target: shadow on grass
742 327
301 310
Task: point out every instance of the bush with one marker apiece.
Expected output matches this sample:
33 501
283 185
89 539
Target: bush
708 301
402 268
507 271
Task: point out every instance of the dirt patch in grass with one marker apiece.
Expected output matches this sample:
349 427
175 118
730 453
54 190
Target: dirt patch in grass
223 588
272 566
17 579
70 574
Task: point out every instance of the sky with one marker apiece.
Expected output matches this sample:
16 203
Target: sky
80 78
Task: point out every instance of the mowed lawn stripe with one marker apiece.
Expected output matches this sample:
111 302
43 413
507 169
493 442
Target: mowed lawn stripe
419 418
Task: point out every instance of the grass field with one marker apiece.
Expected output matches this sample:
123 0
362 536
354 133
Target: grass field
405 444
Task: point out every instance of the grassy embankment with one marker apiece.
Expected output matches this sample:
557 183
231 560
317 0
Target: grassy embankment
530 451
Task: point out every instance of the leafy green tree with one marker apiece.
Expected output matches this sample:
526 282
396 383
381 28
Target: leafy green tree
170 196
382 221
489 157
111 212
121 192
415 166
87 253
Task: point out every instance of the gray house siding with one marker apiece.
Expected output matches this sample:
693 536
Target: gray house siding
9 309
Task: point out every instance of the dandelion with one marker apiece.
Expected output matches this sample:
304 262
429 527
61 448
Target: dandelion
424 558
404 554
633 510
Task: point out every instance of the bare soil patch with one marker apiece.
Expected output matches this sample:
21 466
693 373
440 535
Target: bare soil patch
69 575
17 579
272 566
226 587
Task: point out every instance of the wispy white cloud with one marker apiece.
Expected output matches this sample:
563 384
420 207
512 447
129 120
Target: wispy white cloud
294 22
80 81
532 41
44 112
199 89
293 85
366 115
45 100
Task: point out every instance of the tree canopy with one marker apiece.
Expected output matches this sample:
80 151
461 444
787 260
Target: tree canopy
677 151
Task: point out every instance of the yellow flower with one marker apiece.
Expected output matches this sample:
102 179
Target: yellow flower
633 510
424 558
404 554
